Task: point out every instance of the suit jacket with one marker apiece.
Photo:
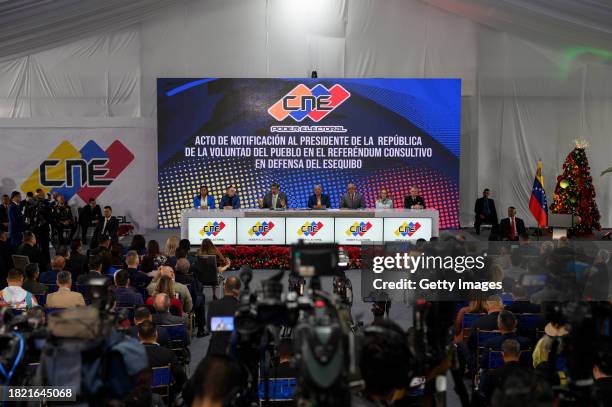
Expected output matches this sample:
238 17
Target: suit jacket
87 215
16 224
312 201
224 307
6 260
234 202
49 277
210 201
64 298
112 225
409 201
356 203
504 228
33 254
160 356
77 265
267 200
162 335
166 318
479 207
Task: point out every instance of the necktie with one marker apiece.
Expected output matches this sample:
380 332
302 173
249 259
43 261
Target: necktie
512 229
104 228
352 206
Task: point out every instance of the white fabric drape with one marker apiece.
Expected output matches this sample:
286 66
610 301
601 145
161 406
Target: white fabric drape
535 74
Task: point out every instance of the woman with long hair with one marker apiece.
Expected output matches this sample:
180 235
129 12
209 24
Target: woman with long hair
207 248
476 305
139 244
153 259
383 200
170 250
165 285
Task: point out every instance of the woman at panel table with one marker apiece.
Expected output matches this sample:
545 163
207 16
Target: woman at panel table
203 200
383 201
414 200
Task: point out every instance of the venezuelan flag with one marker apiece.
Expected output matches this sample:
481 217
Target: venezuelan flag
537 203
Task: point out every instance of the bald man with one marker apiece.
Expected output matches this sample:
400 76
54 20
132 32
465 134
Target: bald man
161 302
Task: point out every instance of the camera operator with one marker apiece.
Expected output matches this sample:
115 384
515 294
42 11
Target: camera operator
385 364
38 214
602 373
224 307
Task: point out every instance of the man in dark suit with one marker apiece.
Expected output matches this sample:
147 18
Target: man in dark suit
352 199
318 200
511 227
141 314
125 295
107 226
28 248
89 216
77 263
485 212
4 207
496 378
225 307
274 199
414 200
138 279
57 265
16 220
506 324
230 200
160 356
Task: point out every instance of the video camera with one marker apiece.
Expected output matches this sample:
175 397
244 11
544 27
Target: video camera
321 331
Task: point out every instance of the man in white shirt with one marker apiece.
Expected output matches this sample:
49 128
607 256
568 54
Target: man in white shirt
14 295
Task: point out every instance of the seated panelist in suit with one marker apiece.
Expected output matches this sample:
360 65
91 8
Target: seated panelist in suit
274 199
414 200
230 200
352 199
511 228
485 212
107 226
318 200
203 200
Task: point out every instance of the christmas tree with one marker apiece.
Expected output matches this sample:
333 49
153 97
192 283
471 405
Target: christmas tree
575 192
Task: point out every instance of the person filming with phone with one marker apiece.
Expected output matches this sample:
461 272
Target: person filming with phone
224 307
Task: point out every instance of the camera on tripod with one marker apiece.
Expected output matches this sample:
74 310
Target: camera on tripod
320 330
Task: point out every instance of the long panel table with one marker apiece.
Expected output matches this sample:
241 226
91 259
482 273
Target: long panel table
281 227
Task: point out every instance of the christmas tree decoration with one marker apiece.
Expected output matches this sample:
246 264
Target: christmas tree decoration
575 193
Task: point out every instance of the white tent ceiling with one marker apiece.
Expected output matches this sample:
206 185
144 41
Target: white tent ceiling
536 73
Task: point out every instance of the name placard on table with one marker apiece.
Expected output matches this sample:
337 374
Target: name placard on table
312 229
355 230
261 231
404 229
220 230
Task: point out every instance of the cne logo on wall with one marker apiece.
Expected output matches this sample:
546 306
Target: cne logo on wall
261 228
212 228
358 229
310 228
302 102
407 229
86 172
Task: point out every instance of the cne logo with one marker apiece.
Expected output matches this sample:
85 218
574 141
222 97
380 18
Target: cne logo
358 229
309 228
261 228
86 172
212 228
407 229
315 103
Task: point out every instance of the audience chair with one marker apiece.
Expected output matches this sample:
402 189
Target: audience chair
161 381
